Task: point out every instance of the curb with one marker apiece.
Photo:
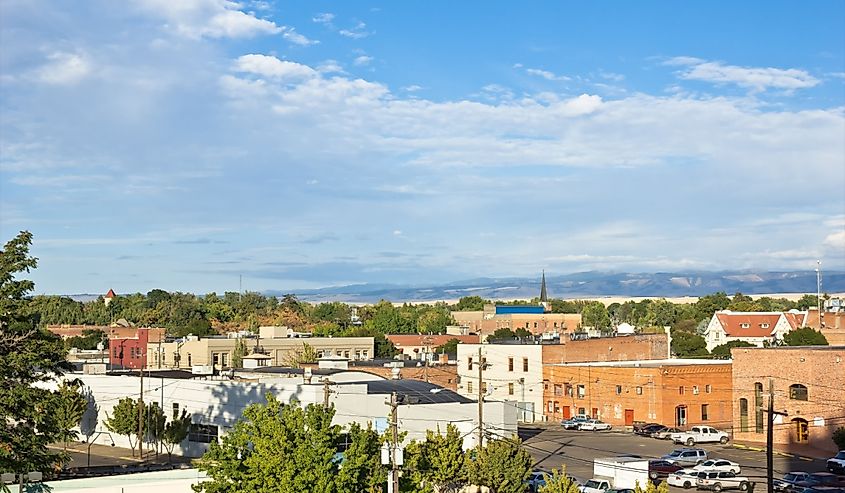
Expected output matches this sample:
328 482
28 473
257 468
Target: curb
782 454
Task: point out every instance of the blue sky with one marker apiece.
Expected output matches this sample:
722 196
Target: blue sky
180 145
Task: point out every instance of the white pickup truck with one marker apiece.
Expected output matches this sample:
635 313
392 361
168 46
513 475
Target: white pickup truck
617 473
700 434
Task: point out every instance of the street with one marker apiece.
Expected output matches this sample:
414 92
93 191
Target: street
552 447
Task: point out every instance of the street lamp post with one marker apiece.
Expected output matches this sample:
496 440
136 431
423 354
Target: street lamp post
91 442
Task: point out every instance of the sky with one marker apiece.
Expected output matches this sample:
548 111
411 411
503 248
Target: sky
209 145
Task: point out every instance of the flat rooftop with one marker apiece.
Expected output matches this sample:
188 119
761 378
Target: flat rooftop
650 363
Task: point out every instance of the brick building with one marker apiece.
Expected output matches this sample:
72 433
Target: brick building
809 385
421 346
672 392
442 374
115 331
131 352
833 328
537 320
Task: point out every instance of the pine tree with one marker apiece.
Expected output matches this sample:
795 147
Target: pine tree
559 482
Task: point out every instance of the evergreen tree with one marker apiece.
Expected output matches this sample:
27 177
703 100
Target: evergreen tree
559 482
69 409
805 336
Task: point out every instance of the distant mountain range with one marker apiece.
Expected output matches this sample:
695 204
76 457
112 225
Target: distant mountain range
587 284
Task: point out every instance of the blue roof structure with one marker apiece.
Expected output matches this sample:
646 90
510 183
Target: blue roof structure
520 309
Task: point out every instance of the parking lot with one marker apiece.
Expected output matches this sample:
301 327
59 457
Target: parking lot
552 447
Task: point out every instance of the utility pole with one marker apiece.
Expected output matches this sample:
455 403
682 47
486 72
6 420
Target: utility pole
819 292
480 400
393 484
141 416
770 437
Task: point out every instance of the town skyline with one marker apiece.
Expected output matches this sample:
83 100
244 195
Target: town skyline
304 145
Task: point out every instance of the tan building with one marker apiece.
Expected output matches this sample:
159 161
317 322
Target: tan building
672 392
421 347
218 350
834 325
808 384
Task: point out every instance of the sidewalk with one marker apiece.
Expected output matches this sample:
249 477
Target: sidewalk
104 455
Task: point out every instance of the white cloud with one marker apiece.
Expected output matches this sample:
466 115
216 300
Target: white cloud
272 67
324 18
755 78
835 241
357 32
362 60
412 88
397 232
216 19
64 68
545 74
330 66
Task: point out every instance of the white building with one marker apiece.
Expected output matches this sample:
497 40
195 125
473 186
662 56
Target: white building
755 328
216 404
513 374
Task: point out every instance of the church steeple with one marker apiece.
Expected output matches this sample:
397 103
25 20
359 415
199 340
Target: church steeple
544 297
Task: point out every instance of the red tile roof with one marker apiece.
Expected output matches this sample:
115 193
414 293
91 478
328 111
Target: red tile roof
404 340
796 320
110 294
748 324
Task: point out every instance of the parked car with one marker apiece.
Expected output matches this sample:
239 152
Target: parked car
595 425
658 469
836 464
686 456
646 429
819 479
785 484
595 486
619 490
700 434
683 478
665 433
718 465
535 481
721 480
574 423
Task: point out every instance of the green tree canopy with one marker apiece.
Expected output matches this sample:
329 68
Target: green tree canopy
175 432
687 345
69 409
559 482
124 420
805 336
471 303
439 462
502 465
595 315
502 334
450 347
27 356
723 351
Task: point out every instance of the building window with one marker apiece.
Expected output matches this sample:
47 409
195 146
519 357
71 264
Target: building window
469 386
510 364
469 362
510 388
708 388
798 392
558 389
581 391
745 325
175 409
224 359
557 407
695 390
681 390
550 406
555 324
524 364
202 433
320 354
535 325
483 387
189 359
764 326
582 411
704 412
526 325
618 390
569 390
366 353
743 415
215 359
639 391
758 407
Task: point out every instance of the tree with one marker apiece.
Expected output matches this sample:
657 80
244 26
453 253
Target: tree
559 482
124 420
238 354
502 334
439 462
502 465
807 301
175 432
154 425
28 356
449 347
521 333
274 447
805 336
299 356
595 315
471 303
706 306
361 470
69 409
687 345
723 351
650 487
839 437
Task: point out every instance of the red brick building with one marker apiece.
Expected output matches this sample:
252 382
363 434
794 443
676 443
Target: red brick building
131 352
808 384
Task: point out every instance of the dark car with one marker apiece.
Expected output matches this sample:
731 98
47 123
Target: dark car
661 469
789 479
818 479
646 431
638 427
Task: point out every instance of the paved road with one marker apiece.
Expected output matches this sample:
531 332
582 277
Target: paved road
551 447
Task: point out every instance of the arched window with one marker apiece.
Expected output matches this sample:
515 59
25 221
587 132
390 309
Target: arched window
798 392
758 407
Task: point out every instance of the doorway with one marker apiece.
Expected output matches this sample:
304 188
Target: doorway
802 431
629 417
681 416
566 412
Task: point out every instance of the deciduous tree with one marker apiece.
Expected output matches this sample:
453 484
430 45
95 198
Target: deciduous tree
559 482
175 432
124 420
723 351
502 465
69 409
805 336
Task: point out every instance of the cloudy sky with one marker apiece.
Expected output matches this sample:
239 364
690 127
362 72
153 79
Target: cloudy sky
182 144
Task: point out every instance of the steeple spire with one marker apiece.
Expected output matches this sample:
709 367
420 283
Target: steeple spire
544 297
